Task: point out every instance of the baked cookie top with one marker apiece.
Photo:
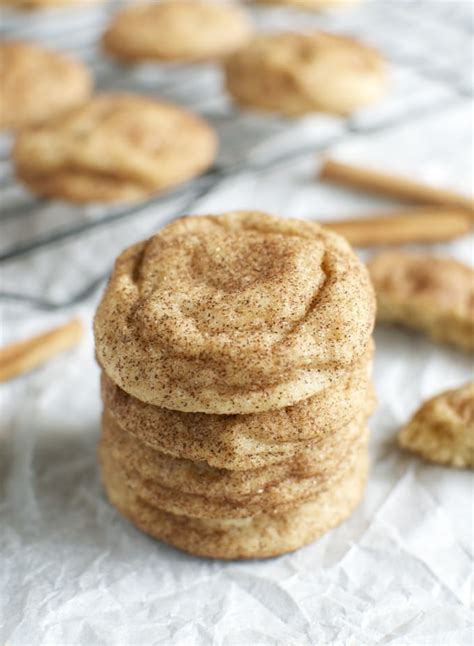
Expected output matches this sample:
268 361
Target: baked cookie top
177 30
296 73
426 292
442 430
237 313
117 147
36 83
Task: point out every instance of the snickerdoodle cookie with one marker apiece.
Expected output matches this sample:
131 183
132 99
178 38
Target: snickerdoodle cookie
178 486
323 458
435 295
36 84
294 74
45 4
237 313
243 442
177 30
117 147
442 430
258 536
311 5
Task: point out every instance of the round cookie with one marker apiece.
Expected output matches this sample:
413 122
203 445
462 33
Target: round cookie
177 30
46 4
242 442
311 5
36 84
237 313
295 74
260 536
277 496
115 148
253 488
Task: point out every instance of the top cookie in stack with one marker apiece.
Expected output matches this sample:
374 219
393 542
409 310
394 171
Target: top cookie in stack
236 356
240 313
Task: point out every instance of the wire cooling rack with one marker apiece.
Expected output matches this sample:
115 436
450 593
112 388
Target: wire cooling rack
429 47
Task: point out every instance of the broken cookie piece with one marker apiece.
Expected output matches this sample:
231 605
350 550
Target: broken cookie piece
435 295
442 430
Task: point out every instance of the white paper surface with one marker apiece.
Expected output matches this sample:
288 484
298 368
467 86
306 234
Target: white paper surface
74 573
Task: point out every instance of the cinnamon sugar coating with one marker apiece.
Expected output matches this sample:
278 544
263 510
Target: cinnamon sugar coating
115 148
311 5
196 489
237 313
242 442
46 4
442 430
296 73
434 295
260 536
177 30
38 83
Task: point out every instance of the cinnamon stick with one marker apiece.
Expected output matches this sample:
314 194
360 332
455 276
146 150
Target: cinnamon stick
425 225
23 356
392 186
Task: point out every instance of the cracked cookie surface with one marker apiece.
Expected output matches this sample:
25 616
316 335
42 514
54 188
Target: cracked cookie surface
442 430
295 74
431 294
115 148
237 313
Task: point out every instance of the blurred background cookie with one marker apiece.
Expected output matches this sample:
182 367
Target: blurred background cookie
117 147
427 293
37 83
46 4
177 30
311 5
294 74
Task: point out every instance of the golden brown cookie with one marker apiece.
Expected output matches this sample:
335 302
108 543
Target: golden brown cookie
117 147
36 84
278 497
311 5
260 536
46 4
435 295
242 442
295 74
237 313
442 430
177 30
196 489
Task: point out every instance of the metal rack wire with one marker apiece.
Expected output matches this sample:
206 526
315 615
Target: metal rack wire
429 45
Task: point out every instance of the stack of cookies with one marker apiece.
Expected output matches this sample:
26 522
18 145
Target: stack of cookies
236 354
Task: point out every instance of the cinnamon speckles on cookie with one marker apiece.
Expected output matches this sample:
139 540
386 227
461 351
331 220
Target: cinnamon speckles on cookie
442 430
299 73
115 148
258 536
237 313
